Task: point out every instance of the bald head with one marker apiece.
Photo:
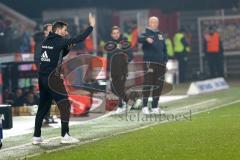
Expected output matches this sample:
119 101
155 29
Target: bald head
153 22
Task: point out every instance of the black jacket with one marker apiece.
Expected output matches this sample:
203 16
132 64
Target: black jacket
155 52
38 38
53 45
118 59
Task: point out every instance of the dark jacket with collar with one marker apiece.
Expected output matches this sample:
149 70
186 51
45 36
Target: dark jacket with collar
118 59
38 38
155 52
53 45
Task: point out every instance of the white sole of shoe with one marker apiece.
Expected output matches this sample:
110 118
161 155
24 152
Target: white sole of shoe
66 142
146 113
157 113
37 143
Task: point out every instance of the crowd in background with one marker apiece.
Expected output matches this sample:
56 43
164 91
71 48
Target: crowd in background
26 96
13 37
21 97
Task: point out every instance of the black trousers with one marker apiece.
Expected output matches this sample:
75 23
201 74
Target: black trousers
182 63
215 64
52 88
153 82
118 88
49 103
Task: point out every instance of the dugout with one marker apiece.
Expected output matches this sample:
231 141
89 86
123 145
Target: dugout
18 71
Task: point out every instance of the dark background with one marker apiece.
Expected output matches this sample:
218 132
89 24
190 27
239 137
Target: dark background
34 8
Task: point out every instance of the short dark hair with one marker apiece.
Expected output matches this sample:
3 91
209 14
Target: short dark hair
45 26
58 24
116 28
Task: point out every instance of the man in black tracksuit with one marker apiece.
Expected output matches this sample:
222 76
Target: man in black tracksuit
51 86
118 67
155 59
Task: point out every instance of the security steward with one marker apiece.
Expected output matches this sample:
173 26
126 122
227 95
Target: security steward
213 49
181 48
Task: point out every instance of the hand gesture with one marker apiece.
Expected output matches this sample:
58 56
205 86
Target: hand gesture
149 40
92 20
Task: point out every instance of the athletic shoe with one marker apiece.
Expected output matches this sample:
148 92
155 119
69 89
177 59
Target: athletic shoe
120 110
145 110
38 140
138 104
67 139
157 111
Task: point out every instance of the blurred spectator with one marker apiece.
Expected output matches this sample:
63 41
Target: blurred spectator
169 47
38 37
134 40
25 91
25 45
7 97
33 89
188 36
181 48
18 98
89 44
21 97
131 33
101 48
12 37
30 99
213 49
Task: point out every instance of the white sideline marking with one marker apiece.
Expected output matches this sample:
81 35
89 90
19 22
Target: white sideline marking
123 132
128 131
26 144
217 107
193 105
165 99
19 129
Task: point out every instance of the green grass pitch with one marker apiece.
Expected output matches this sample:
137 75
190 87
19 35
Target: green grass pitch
211 135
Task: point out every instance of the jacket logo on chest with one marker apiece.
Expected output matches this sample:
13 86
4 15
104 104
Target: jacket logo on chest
44 57
160 37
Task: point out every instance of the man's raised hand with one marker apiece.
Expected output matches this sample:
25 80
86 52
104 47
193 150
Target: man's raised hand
92 20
